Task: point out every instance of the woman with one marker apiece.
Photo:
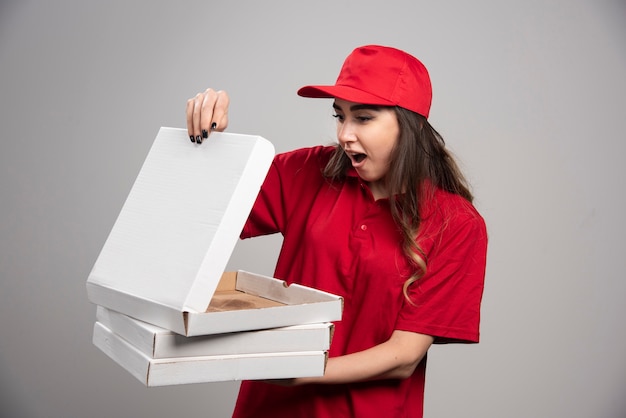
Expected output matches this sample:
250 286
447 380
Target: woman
383 219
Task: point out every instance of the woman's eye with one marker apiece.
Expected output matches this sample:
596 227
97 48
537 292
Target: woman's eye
359 119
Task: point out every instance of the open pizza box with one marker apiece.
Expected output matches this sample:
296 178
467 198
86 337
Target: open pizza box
164 259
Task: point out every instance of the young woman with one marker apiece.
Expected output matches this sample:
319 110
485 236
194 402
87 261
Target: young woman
384 219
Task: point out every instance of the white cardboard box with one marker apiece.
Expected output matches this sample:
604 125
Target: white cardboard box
164 259
185 370
156 342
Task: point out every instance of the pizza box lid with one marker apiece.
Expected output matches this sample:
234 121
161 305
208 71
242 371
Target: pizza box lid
182 218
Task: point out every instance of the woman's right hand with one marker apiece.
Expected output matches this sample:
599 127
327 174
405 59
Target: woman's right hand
206 112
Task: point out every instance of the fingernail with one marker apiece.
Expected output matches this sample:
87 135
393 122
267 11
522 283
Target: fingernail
205 134
192 139
199 139
213 125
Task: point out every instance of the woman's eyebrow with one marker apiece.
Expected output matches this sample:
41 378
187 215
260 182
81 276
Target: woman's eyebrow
356 107
364 107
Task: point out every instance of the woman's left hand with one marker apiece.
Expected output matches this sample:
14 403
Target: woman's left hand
207 111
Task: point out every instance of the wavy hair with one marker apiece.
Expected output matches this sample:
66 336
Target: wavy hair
420 154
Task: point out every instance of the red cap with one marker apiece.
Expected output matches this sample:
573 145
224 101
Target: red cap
380 75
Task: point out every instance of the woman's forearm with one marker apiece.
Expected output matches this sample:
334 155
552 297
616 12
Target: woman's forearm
396 358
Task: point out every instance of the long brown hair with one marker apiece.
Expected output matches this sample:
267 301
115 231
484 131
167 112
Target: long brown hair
420 154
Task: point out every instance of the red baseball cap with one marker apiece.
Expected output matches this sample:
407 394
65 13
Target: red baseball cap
380 75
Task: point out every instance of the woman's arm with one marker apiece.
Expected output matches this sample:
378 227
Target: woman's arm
396 358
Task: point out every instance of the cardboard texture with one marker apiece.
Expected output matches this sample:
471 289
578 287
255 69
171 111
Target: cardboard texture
201 369
164 259
156 342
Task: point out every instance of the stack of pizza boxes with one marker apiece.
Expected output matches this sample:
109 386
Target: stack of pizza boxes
167 312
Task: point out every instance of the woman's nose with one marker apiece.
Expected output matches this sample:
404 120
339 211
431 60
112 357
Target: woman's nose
345 133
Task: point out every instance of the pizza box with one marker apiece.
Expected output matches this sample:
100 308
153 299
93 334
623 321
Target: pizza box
164 259
202 369
157 342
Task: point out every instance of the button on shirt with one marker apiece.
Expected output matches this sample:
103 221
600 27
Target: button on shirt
339 239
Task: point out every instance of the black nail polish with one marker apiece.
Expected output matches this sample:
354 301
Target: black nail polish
199 139
192 138
205 134
213 125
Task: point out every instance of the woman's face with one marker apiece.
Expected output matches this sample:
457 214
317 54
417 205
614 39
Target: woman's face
367 134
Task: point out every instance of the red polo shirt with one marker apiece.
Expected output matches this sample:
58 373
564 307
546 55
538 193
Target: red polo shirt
339 239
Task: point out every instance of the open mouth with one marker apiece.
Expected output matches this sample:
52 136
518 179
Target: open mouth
358 157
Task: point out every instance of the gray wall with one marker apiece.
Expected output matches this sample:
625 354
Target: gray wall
529 94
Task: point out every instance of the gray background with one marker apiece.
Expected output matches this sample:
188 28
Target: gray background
530 95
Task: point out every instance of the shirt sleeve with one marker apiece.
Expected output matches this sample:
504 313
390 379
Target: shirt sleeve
446 300
267 215
291 180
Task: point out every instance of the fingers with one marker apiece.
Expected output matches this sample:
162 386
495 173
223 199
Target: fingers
204 116
191 130
189 113
207 111
220 113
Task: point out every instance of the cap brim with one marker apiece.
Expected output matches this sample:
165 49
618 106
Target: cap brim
347 93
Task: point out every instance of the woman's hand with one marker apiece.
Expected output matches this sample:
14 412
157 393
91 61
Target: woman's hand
206 112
